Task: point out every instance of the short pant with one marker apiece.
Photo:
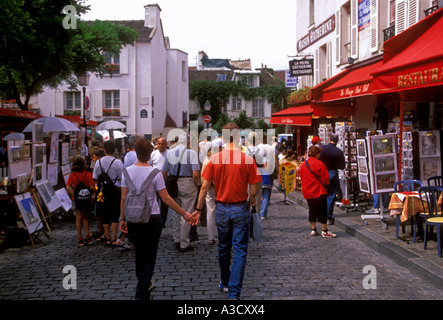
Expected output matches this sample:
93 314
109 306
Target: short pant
318 208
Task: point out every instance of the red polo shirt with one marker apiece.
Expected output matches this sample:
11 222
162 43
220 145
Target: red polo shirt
232 172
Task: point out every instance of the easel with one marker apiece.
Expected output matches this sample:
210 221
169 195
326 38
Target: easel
285 201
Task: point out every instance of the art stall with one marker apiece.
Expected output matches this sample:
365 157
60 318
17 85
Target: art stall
35 179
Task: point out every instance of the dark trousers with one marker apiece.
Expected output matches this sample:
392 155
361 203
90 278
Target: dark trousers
145 237
163 210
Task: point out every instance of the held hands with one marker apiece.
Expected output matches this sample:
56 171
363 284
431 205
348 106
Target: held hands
194 218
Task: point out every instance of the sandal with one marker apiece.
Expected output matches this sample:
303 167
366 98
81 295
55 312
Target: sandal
108 243
101 239
80 243
88 241
97 234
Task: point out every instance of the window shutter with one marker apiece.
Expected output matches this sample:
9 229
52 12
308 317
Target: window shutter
400 16
124 60
124 103
328 59
317 66
374 25
354 29
59 102
338 36
97 103
413 12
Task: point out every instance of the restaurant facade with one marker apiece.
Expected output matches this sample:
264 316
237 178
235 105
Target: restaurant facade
379 67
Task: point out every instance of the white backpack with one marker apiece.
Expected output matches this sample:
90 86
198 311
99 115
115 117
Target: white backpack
137 207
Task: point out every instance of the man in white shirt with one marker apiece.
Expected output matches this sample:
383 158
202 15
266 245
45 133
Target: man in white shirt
157 160
131 156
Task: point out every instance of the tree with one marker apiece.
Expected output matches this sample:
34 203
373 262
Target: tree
37 50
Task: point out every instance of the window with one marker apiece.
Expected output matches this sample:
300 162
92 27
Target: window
258 108
342 33
221 77
112 103
311 12
73 105
236 104
248 80
112 63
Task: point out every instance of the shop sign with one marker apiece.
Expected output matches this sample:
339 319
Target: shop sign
303 67
348 92
413 78
316 34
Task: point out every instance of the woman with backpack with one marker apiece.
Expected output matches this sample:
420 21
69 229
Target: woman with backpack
80 186
145 225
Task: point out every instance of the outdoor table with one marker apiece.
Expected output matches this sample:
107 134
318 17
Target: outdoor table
408 204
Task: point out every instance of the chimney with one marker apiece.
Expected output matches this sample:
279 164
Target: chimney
152 15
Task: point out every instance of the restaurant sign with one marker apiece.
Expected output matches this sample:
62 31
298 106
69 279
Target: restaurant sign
303 67
413 78
348 92
316 34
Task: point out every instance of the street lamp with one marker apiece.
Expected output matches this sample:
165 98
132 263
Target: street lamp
83 80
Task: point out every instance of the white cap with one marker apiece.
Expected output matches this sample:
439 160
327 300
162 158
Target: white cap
217 143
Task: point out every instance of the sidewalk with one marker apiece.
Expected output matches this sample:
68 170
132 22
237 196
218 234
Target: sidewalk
424 263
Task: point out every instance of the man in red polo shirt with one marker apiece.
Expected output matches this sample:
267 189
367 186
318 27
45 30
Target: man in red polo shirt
233 173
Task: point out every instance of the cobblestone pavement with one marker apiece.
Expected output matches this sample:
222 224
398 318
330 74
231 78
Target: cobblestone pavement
288 265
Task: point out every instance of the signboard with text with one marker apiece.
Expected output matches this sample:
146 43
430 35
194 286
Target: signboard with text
303 67
316 34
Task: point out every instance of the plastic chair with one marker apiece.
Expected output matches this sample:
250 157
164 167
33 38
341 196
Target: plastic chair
435 181
407 186
429 197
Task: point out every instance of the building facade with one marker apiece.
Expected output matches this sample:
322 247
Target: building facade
146 89
344 35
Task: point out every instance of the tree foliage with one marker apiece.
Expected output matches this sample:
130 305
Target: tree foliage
36 50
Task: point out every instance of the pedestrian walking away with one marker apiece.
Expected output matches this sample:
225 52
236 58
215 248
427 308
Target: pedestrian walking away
233 173
81 187
188 170
315 179
108 172
334 159
145 233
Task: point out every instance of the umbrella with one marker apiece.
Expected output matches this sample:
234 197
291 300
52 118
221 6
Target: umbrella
110 125
106 136
53 124
14 136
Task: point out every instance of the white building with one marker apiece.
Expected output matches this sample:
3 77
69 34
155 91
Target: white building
148 92
342 35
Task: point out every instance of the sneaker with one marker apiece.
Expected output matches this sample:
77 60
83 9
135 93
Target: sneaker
222 288
328 234
81 243
122 244
373 211
264 218
88 241
330 221
314 233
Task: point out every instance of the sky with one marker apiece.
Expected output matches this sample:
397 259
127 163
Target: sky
260 30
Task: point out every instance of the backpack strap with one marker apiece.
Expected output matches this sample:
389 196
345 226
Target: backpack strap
314 174
145 184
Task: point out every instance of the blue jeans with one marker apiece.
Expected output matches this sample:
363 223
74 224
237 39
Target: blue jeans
385 198
266 194
332 189
233 233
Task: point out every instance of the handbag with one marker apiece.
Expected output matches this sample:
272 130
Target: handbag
172 186
314 174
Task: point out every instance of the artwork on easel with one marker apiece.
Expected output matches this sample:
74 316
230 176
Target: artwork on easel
28 212
364 183
52 203
37 132
64 199
429 144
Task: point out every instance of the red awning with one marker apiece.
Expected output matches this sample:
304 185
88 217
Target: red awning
356 83
294 116
19 114
413 59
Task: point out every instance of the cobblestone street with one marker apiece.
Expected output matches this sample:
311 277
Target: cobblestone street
288 265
